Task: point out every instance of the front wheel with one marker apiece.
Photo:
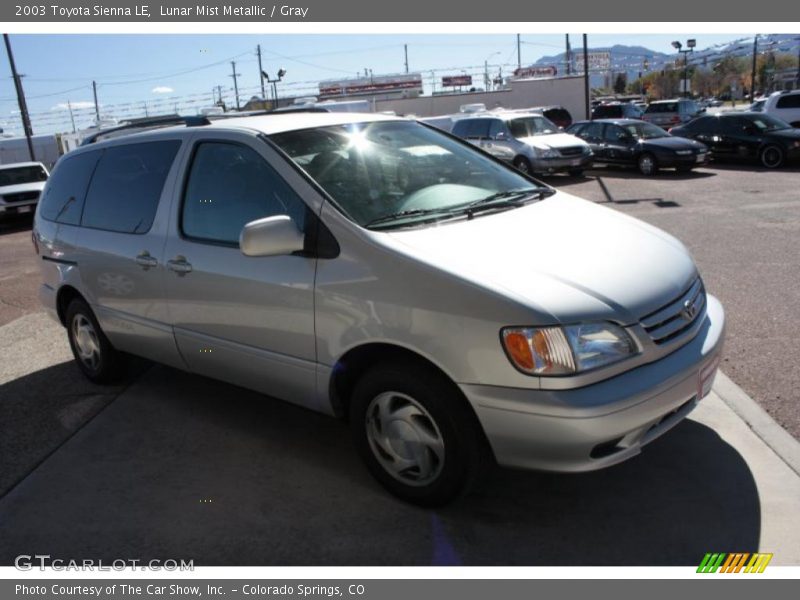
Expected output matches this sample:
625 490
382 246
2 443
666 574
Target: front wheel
93 353
647 164
523 164
772 156
416 434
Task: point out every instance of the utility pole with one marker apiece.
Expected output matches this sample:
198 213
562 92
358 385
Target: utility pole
569 56
23 106
753 73
71 116
219 94
235 83
586 77
405 49
96 106
261 73
519 52
146 114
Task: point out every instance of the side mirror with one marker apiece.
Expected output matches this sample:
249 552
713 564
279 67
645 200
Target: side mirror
271 236
500 136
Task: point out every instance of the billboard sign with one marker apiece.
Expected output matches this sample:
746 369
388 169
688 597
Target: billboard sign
406 84
456 80
534 71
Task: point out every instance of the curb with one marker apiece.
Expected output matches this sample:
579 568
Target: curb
764 426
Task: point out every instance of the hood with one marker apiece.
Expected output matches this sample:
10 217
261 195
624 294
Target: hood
566 258
35 186
673 143
553 140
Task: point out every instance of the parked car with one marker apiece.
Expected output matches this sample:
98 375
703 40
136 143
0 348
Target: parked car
643 145
445 123
454 310
529 141
617 110
667 113
20 187
782 105
557 114
749 136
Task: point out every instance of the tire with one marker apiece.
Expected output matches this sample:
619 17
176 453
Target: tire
575 172
772 156
93 353
647 164
523 164
416 433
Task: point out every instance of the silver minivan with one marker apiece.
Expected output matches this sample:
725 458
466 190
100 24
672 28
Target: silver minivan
527 140
457 312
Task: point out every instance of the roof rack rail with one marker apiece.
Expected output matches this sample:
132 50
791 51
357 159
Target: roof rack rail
150 123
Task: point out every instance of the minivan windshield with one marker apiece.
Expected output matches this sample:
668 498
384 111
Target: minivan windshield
527 126
18 175
396 173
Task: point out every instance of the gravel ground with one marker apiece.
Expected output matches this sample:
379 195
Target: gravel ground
741 223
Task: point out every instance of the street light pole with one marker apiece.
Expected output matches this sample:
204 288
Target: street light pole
586 77
753 72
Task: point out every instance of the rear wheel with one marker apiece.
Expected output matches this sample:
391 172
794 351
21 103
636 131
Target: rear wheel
772 156
523 164
647 164
95 355
416 434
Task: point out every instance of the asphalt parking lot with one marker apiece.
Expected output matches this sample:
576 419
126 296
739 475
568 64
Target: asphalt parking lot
174 465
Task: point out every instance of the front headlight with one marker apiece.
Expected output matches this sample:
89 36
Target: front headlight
566 350
547 153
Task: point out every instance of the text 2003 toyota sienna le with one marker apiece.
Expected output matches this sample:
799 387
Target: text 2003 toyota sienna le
454 310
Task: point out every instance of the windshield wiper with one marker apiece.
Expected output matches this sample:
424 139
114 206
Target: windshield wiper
507 198
417 212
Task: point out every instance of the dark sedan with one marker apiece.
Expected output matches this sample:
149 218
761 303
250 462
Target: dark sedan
745 136
631 142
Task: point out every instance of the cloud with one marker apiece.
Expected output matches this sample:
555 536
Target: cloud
80 104
162 89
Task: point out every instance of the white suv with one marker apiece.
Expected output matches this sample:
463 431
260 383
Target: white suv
783 105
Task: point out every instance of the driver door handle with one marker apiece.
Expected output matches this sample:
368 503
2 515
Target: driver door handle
179 265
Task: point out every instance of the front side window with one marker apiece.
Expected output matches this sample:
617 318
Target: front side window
528 126
374 171
768 123
126 187
230 185
644 131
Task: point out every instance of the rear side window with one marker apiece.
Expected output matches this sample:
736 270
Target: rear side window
126 186
703 125
788 101
230 185
66 190
607 112
472 128
662 107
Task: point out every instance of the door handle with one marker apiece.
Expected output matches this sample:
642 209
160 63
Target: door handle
146 261
179 265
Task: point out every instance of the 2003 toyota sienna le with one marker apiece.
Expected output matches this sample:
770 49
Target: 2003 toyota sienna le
457 312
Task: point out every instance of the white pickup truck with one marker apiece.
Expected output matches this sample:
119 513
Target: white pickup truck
21 185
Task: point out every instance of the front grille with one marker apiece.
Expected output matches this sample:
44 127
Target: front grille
21 196
571 151
675 318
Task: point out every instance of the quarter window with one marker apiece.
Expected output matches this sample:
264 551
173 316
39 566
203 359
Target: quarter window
229 186
788 101
124 193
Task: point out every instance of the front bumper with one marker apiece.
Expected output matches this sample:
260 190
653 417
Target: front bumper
550 165
605 423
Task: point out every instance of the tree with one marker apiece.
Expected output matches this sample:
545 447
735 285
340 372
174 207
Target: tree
620 83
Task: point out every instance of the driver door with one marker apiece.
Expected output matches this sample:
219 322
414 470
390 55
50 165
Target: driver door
246 320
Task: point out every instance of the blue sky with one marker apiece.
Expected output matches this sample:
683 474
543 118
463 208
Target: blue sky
160 72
